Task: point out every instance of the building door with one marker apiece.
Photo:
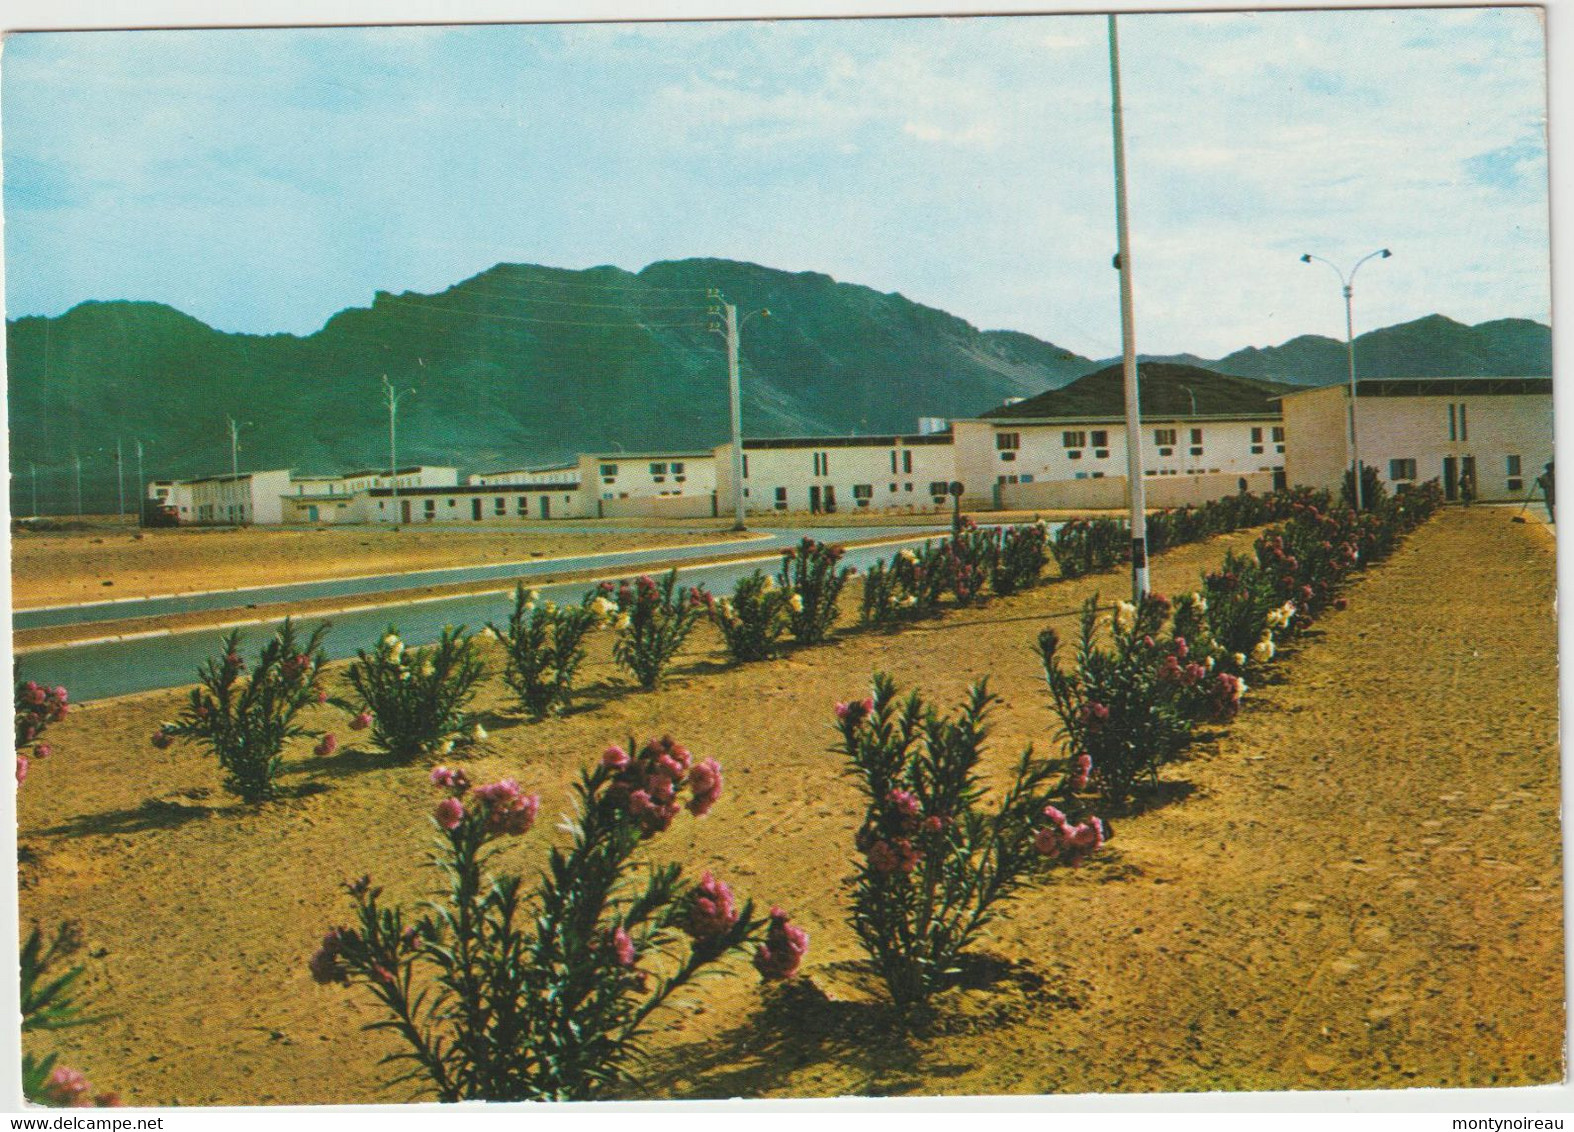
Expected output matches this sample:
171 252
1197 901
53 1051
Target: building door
546 507
1450 478
475 508
404 510
1281 482
311 513
814 499
1467 470
830 498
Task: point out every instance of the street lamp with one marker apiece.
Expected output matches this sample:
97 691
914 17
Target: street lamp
1347 282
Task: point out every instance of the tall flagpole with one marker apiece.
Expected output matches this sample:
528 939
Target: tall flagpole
1128 339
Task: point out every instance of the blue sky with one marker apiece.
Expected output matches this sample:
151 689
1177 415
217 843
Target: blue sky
262 180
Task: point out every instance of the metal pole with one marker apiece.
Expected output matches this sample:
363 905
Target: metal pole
1359 493
120 480
1128 338
78 460
33 469
234 447
735 398
142 488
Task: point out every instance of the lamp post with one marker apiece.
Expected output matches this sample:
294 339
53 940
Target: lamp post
730 328
1347 283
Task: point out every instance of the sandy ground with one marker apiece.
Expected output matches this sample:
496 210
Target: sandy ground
99 565
1356 885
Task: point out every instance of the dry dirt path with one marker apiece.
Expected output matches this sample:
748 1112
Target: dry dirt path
1294 922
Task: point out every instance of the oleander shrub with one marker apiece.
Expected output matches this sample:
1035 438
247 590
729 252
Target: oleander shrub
1238 599
972 556
653 620
246 717
1020 560
1109 701
507 989
1088 546
36 708
543 647
813 579
934 863
414 700
49 1002
753 619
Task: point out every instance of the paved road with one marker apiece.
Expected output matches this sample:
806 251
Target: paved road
358 587
121 667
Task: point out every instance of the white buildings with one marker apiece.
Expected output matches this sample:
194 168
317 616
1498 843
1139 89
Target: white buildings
840 473
1496 429
675 485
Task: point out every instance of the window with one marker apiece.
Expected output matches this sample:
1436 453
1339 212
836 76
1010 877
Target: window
1164 438
1256 436
822 464
745 465
1278 435
1195 451
453 503
1464 430
1401 470
939 489
1457 429
1101 438
1196 436
431 508
1027 479
1166 451
893 489
677 467
907 462
658 470
1006 441
1516 485
893 461
1081 476
499 506
522 507
609 472
1073 439
908 488
1074 454
781 499
1513 465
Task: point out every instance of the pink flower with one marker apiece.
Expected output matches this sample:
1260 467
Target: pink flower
322 695
855 712
934 823
508 809
1079 776
450 778
704 787
615 757
780 956
325 965
711 909
21 769
361 722
621 948
328 746
1054 815
905 802
42 751
1341 603
1048 841
66 1088
893 856
161 739
449 813
1094 715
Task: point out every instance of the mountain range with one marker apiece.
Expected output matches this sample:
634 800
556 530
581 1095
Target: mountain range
523 365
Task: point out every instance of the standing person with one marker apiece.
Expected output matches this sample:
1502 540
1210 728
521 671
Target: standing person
1547 483
1467 487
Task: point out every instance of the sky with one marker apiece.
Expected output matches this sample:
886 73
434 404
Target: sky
261 180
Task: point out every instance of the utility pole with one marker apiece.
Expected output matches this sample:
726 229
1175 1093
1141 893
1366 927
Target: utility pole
1128 338
33 471
78 461
234 447
393 397
120 481
729 328
142 487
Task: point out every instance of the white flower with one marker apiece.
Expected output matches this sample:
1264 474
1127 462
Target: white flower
1125 614
479 734
390 641
907 556
427 668
1240 689
446 748
601 607
487 634
622 622
1210 664
769 586
1200 602
1264 651
549 608
908 602
533 597
796 603
1240 660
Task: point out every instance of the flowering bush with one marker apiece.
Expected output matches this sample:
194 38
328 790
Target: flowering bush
48 1002
544 645
1238 598
1021 557
971 559
245 720
416 698
753 618
1087 546
934 864
652 622
814 582
1111 705
36 708
503 993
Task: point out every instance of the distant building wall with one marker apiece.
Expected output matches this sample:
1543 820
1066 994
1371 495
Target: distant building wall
659 507
1109 492
845 473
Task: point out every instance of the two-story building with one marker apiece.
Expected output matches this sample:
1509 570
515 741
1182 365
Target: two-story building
839 473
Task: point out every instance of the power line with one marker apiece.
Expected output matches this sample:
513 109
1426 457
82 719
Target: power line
551 321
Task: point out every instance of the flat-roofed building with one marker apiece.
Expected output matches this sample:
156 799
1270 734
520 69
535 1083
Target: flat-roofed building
840 473
1497 430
